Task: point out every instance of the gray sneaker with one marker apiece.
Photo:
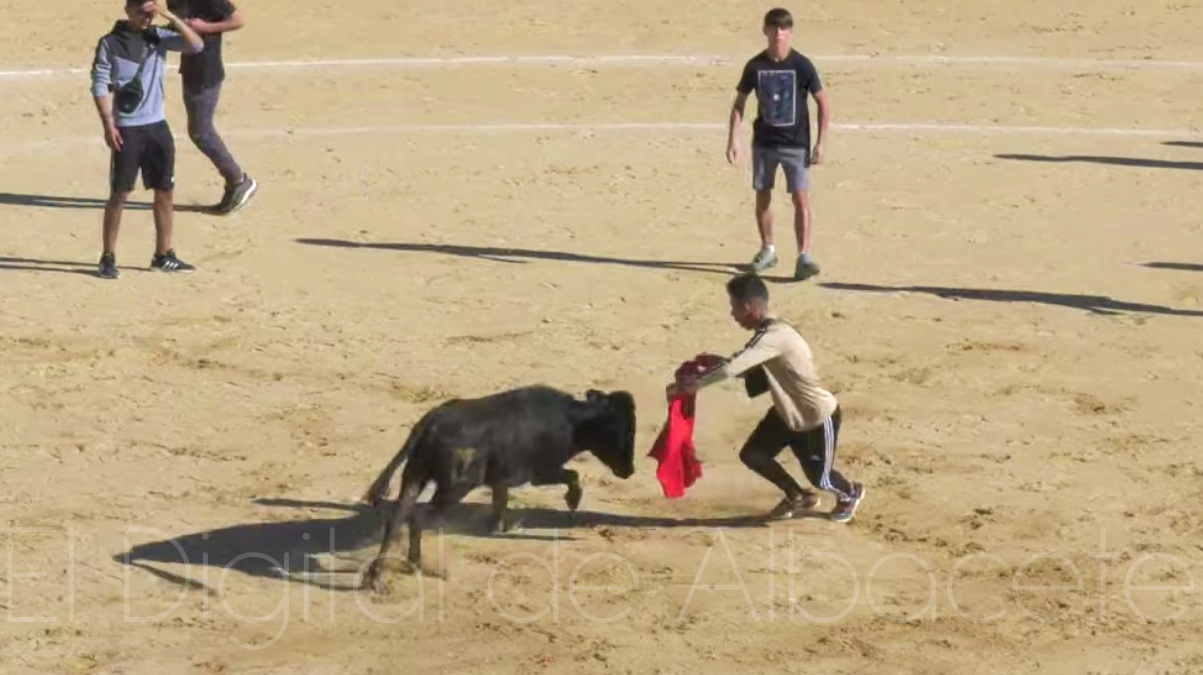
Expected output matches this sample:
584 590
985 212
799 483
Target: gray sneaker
846 508
764 259
792 507
108 267
805 269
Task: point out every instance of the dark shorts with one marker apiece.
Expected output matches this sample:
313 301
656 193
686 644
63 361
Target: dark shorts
149 149
794 163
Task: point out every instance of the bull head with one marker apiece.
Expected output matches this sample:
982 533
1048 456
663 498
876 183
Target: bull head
607 429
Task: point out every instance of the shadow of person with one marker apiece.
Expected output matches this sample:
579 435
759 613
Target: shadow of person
66 202
1114 161
1180 266
1094 304
522 256
57 266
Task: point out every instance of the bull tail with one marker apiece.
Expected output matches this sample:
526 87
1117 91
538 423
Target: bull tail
379 489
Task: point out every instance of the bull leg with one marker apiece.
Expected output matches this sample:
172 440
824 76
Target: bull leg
565 477
403 513
573 497
415 545
501 498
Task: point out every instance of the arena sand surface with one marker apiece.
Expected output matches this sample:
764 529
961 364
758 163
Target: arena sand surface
1016 344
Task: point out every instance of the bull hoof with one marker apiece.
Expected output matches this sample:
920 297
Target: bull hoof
498 526
573 498
443 574
377 586
372 580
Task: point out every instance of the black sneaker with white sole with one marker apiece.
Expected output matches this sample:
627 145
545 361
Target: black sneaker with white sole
168 262
236 196
108 267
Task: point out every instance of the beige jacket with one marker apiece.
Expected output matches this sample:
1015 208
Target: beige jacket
789 367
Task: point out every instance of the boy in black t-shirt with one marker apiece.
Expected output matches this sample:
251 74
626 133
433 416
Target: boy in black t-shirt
782 78
202 76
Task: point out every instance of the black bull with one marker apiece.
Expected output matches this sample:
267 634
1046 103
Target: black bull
504 440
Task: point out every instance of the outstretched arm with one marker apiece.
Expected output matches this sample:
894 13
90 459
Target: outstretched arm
762 348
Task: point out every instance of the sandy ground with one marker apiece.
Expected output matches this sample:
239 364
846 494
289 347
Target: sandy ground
1015 342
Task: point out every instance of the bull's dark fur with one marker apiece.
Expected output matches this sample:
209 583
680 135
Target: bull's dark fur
502 441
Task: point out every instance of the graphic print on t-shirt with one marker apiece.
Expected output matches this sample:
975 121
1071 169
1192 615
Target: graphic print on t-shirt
778 97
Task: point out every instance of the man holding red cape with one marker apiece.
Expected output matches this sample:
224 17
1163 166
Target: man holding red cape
804 416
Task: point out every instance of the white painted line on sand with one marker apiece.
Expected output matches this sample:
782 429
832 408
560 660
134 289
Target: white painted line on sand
1046 61
586 127
1013 129
720 60
927 60
904 127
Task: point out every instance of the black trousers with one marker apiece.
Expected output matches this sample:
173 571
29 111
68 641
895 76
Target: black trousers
200 103
815 450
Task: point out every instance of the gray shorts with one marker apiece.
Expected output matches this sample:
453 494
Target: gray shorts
794 162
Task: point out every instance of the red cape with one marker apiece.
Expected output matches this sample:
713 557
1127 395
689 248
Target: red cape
678 465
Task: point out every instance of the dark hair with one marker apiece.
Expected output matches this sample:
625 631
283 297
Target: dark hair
778 17
748 287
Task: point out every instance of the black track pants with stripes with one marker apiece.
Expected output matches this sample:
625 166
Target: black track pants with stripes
815 450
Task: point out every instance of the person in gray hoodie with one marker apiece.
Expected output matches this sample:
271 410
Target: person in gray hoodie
127 87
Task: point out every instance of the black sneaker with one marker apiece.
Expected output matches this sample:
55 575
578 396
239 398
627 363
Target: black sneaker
221 207
108 267
169 263
237 196
791 507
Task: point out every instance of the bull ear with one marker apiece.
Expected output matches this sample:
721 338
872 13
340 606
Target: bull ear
595 396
